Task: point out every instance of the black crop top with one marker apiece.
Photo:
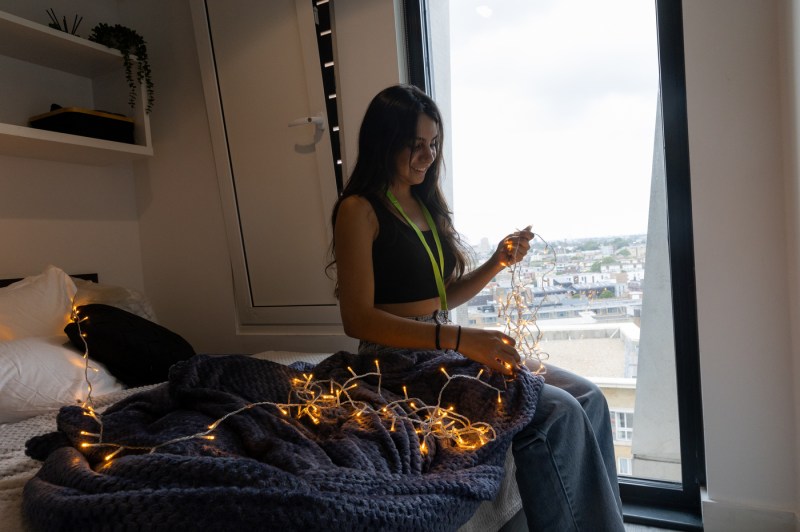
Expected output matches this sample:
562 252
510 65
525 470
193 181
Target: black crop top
401 266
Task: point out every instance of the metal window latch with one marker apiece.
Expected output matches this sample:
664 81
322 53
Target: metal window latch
317 120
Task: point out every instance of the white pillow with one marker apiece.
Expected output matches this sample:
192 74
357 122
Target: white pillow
36 306
39 375
115 296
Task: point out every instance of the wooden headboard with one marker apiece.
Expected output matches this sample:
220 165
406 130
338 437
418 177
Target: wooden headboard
86 276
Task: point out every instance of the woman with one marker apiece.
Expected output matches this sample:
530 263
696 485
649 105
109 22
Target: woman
400 265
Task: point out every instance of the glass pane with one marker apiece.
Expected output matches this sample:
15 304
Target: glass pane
553 121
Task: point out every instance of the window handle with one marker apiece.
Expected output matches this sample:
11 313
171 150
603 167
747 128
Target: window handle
317 120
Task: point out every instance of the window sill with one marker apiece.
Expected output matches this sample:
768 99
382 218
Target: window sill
654 516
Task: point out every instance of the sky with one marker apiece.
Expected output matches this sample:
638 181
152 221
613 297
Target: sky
553 116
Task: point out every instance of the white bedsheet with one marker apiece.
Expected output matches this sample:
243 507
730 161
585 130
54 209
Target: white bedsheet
16 468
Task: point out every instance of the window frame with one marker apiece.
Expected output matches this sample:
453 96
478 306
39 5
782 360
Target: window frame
415 15
674 505
618 430
624 460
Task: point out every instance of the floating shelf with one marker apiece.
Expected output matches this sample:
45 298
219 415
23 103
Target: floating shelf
40 45
21 141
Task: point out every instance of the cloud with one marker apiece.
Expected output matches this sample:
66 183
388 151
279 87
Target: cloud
553 107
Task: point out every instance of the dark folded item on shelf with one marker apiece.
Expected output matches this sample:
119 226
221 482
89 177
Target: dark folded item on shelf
86 122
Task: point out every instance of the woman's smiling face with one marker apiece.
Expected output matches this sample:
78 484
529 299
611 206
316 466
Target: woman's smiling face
413 161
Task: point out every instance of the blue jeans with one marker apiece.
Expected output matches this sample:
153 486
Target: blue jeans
566 469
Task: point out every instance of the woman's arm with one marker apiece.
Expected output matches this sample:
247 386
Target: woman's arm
355 231
511 249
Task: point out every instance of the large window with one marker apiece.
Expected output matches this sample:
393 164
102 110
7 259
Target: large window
570 117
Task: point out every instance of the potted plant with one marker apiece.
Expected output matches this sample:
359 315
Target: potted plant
133 47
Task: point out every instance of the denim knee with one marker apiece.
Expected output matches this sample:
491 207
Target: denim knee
588 394
556 412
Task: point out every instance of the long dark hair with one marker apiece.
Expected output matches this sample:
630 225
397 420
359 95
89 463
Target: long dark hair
389 126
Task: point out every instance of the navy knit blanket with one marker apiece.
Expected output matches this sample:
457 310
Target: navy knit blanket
268 471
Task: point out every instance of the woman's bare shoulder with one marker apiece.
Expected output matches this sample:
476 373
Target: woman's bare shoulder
357 202
359 211
358 207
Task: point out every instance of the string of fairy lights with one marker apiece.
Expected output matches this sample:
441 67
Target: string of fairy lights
318 400
518 310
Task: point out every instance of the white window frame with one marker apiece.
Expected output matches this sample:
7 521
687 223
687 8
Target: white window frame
625 466
622 434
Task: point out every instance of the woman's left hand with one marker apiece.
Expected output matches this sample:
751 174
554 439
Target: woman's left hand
514 247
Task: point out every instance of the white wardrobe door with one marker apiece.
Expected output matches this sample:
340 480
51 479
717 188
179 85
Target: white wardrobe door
261 73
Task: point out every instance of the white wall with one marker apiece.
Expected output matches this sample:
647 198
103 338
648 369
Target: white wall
791 99
734 80
80 218
362 69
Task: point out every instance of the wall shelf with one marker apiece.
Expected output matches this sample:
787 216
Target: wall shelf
34 46
21 141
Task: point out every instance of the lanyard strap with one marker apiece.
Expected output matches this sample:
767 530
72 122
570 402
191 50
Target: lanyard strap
438 269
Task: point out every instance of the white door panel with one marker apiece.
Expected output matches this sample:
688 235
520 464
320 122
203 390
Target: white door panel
261 72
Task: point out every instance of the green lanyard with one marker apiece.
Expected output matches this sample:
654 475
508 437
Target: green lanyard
438 269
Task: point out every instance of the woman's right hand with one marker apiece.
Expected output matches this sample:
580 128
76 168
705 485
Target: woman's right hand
491 348
513 248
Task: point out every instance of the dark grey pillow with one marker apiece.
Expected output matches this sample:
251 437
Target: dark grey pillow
135 350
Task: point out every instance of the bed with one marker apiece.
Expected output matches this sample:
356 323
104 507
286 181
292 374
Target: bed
42 369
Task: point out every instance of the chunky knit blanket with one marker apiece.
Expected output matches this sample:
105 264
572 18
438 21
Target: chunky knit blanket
269 471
